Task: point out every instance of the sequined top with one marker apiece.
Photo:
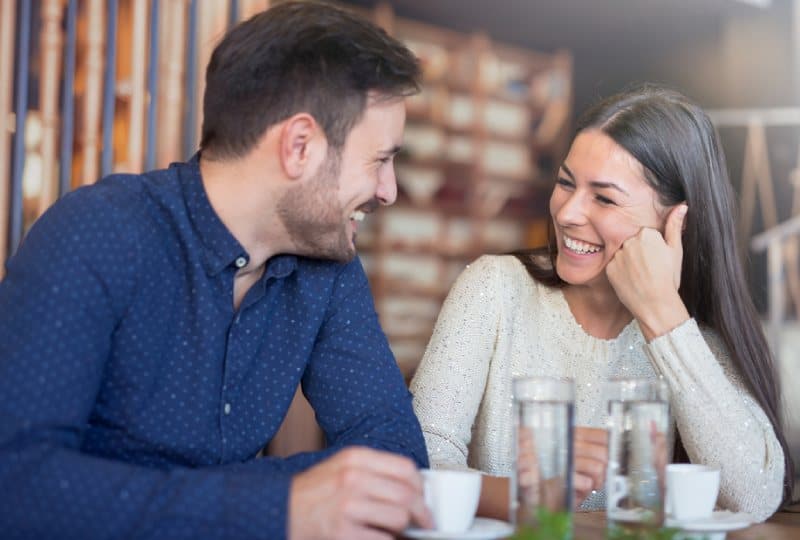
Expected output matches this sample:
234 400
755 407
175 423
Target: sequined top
499 323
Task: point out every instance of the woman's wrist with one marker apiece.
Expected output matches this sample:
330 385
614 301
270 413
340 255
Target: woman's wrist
663 317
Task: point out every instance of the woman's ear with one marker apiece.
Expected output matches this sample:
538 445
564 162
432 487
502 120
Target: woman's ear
300 138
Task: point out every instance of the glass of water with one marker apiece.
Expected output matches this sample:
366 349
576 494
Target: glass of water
541 488
638 419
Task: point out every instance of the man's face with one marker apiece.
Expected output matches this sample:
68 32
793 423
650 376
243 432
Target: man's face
322 214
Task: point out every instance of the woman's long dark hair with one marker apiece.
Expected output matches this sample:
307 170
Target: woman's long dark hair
679 149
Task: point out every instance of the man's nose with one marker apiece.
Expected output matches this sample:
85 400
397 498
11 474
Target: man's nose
387 188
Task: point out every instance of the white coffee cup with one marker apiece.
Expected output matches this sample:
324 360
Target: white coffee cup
691 491
452 497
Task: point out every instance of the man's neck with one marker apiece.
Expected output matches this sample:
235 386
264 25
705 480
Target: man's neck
244 199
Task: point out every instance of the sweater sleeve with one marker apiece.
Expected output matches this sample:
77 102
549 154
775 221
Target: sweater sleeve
719 422
449 384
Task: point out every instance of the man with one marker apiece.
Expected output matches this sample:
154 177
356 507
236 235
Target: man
154 327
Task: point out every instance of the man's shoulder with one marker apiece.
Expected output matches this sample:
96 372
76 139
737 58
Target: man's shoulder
122 190
110 210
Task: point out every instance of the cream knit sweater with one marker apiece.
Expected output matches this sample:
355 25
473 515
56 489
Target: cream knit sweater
499 323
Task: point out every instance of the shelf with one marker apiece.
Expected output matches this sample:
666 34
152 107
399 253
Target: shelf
480 111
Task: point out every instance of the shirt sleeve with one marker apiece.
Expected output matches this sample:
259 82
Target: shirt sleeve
719 422
352 380
449 383
60 302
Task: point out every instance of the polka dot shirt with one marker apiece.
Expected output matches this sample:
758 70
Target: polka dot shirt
134 398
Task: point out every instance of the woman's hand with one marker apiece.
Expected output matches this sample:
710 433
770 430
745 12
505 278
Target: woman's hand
591 459
646 274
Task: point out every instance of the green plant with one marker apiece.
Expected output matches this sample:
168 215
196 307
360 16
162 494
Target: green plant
558 526
550 525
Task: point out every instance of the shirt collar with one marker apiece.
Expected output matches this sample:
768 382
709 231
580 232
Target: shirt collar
221 247
280 266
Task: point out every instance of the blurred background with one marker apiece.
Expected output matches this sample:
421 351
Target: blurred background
91 87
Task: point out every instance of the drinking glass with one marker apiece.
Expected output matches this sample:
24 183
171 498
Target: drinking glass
638 417
541 488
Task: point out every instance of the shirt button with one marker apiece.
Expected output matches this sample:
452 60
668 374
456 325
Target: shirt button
241 262
227 408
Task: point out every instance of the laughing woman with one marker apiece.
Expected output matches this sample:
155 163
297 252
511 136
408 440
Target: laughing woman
641 278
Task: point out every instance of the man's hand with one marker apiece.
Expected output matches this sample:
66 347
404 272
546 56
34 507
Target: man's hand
591 459
646 275
357 494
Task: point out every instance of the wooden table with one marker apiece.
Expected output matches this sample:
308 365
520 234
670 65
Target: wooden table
781 526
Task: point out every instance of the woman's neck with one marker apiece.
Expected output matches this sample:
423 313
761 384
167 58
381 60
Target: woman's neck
598 311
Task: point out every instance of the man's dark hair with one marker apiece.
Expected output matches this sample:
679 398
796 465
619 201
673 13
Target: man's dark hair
299 57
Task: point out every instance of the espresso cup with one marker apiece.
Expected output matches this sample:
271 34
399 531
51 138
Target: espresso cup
452 497
691 491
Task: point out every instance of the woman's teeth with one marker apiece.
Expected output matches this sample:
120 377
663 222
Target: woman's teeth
580 247
358 215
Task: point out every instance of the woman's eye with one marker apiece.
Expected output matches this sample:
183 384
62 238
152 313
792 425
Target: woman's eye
565 183
603 200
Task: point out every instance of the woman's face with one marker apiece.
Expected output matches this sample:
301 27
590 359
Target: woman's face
600 200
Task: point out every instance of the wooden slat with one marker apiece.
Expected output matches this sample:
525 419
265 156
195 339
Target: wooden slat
92 97
152 85
248 8
49 80
756 182
233 13
190 84
109 87
68 100
212 24
792 245
21 109
170 105
7 14
135 150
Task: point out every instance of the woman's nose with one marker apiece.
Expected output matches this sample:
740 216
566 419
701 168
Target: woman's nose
573 210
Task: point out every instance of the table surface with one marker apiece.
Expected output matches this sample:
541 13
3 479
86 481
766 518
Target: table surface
781 526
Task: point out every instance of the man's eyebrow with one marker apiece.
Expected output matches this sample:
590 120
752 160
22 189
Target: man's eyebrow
597 184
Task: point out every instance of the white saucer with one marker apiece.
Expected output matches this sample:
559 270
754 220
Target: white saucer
482 529
720 521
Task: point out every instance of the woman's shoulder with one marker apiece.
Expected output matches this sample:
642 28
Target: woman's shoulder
506 273
506 268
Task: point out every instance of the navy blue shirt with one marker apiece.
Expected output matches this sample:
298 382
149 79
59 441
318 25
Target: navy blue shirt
134 397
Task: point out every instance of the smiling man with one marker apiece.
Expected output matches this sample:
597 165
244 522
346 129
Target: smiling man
154 327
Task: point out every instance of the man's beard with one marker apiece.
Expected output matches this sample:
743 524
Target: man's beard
312 216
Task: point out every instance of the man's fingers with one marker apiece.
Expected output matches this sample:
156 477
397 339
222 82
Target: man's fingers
382 464
674 227
377 514
421 515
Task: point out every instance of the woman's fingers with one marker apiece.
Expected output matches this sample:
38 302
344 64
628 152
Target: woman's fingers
591 459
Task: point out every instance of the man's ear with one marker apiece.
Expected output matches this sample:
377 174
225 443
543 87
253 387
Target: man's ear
300 138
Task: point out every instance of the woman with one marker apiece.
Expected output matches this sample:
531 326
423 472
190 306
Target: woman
641 278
